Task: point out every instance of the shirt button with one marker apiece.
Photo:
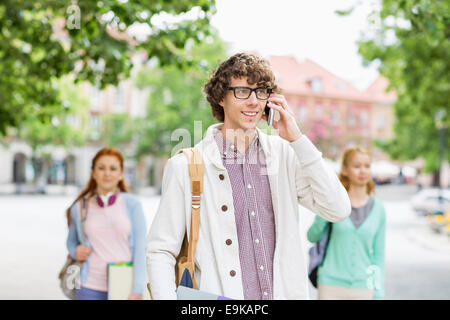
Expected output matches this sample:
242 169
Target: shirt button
232 273
221 176
253 213
261 267
249 186
224 208
228 242
257 240
265 293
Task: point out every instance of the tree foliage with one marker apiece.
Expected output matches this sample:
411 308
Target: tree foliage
35 49
116 129
411 40
67 128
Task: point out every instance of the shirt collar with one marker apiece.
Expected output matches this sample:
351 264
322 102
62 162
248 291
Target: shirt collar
228 150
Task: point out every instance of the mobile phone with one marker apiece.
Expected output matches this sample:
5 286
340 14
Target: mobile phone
269 111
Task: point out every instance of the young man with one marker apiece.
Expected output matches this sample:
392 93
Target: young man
249 245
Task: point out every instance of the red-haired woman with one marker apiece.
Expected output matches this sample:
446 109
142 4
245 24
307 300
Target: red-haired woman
353 267
115 228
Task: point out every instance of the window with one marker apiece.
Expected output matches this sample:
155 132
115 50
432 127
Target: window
335 117
381 121
95 127
364 118
95 99
95 122
72 121
318 112
316 85
302 113
351 120
119 99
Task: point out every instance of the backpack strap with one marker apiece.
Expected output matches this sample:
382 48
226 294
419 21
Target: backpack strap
83 220
196 171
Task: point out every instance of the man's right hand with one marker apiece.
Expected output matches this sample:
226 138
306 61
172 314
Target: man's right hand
82 253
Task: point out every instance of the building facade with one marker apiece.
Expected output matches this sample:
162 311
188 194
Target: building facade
331 111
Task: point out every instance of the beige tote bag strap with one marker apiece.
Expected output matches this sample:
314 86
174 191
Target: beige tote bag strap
196 171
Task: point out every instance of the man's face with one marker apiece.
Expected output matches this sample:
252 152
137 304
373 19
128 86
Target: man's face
242 113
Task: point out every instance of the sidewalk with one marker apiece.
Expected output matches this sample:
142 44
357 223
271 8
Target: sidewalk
33 231
426 237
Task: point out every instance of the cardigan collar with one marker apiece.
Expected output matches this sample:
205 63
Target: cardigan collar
211 153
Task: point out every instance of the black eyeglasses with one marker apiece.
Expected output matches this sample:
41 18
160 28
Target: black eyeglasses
245 92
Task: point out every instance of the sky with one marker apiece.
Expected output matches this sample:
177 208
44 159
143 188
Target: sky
300 28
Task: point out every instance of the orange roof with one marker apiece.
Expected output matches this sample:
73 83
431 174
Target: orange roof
295 78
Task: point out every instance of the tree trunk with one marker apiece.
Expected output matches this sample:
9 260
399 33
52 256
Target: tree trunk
436 178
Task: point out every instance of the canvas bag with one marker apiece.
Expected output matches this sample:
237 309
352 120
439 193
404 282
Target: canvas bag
317 255
185 265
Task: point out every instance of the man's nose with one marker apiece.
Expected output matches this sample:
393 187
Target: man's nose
253 98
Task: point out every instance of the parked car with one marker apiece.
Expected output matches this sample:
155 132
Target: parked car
384 172
431 201
439 222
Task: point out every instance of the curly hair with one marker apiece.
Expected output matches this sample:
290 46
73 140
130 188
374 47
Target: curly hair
257 70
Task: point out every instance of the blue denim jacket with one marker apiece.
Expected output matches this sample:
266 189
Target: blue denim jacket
137 240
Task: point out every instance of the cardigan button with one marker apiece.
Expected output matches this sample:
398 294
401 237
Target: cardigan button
224 208
232 273
228 242
221 176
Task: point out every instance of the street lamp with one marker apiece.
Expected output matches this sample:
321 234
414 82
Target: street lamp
441 126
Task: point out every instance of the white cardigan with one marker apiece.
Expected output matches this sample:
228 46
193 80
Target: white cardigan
297 175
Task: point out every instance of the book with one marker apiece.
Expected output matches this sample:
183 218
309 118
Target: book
120 280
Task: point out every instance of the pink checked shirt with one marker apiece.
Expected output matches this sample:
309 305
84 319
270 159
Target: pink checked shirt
253 214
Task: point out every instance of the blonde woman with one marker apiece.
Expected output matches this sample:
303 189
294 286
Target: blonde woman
353 267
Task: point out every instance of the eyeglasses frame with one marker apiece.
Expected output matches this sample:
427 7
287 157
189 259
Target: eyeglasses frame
269 90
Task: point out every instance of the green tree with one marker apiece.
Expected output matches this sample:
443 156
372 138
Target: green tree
36 49
65 129
411 40
116 129
176 100
61 129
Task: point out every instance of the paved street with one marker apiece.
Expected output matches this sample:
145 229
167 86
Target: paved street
417 260
33 233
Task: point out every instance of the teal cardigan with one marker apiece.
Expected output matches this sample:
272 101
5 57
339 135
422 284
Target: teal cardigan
137 240
355 256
